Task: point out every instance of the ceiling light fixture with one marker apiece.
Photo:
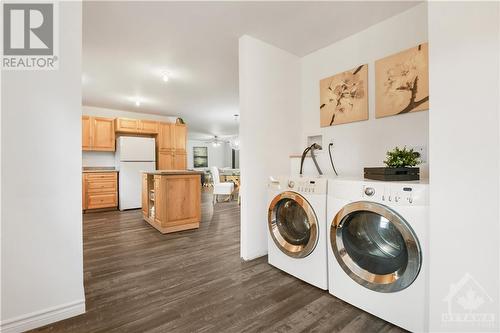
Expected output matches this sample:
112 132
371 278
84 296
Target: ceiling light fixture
137 102
165 77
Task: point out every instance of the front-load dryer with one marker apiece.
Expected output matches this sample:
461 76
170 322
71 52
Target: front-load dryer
377 248
297 228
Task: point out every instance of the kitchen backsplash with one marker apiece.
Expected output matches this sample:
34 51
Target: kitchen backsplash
98 158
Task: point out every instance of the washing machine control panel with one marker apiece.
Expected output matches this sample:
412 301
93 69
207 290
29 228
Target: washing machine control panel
308 186
394 194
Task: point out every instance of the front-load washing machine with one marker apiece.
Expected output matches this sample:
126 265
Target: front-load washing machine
377 248
297 228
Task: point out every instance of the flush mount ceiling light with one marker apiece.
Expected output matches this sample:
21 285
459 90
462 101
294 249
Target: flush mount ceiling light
164 76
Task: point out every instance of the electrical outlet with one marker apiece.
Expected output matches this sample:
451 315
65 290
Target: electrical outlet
422 150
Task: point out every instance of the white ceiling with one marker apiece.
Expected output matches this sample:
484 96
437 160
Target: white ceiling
127 46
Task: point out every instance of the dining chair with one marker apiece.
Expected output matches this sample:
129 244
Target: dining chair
220 188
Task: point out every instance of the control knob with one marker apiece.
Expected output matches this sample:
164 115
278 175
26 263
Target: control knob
369 191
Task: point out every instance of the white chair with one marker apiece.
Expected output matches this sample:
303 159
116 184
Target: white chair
223 188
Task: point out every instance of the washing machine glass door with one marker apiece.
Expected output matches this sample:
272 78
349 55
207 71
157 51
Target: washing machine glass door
293 224
375 246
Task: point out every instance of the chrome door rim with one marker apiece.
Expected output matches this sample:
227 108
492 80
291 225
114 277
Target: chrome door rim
294 251
386 283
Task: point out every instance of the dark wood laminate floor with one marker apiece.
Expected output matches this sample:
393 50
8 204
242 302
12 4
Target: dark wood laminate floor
138 280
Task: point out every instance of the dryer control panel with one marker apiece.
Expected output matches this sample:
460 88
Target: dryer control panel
396 194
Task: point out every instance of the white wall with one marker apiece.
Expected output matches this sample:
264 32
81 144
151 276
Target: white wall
364 143
41 239
113 113
269 110
106 158
464 150
217 156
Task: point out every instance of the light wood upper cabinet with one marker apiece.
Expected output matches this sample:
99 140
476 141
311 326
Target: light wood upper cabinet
148 126
180 134
103 137
126 125
98 134
165 136
86 138
171 143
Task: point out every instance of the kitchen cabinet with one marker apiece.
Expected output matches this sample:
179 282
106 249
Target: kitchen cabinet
171 143
86 138
172 160
136 126
103 134
84 192
180 160
125 125
180 137
145 197
100 190
148 126
165 140
165 160
98 134
173 200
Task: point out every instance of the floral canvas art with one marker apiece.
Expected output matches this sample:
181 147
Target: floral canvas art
402 82
344 97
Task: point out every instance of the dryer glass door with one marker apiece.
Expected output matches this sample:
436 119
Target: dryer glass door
292 224
375 246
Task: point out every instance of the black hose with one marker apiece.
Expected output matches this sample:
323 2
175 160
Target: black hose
304 153
331 159
314 158
310 148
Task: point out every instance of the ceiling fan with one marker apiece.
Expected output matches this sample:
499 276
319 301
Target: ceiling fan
233 141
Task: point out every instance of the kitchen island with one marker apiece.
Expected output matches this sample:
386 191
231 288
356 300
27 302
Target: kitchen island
171 199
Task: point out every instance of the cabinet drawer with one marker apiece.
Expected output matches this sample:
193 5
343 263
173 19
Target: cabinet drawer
105 176
100 186
101 200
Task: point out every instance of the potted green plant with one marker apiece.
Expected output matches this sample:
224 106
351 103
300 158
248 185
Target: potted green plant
401 166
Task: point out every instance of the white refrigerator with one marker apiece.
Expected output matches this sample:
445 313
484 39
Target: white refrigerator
133 155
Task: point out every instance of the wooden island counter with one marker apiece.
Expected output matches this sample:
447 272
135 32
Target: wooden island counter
171 199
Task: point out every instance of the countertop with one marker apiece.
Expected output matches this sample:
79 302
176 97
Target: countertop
173 172
98 169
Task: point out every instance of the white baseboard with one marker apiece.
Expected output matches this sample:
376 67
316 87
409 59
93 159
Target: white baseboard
43 317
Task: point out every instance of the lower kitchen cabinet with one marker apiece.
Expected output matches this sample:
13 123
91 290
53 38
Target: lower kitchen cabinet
171 200
100 190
